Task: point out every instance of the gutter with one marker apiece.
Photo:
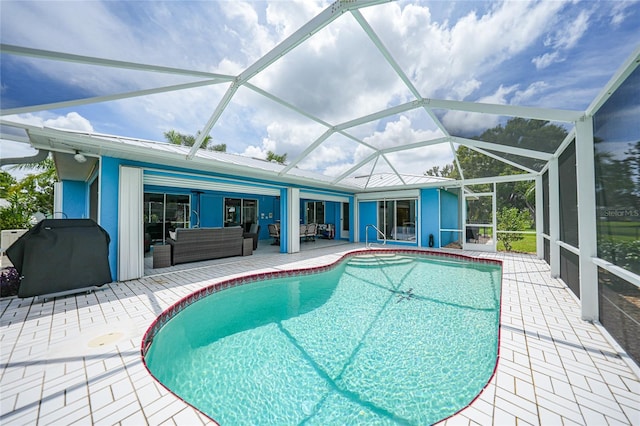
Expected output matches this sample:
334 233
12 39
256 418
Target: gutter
40 156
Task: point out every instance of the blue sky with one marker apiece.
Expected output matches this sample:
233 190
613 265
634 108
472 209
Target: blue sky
550 54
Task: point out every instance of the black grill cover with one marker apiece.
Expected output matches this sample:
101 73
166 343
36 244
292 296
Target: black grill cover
60 255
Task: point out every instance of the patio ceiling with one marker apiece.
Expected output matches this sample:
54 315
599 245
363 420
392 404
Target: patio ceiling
344 143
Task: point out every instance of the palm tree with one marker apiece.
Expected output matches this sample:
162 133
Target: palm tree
272 156
178 138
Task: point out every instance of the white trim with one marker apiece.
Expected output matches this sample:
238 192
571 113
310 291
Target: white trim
396 195
293 211
130 227
211 184
617 271
322 196
58 196
554 218
587 227
569 247
539 217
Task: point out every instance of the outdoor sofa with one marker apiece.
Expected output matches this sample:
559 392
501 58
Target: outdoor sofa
194 244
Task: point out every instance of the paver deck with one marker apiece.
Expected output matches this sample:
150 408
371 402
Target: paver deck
76 359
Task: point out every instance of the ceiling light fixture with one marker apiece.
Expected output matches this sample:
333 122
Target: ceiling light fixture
79 157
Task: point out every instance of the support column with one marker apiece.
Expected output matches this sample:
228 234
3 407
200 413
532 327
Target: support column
293 220
554 217
585 176
539 218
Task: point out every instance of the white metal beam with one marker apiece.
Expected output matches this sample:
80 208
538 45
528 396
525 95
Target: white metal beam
355 167
306 152
385 52
620 76
503 148
586 183
233 88
324 18
384 157
396 67
413 145
503 160
379 115
348 124
539 218
507 110
92 60
375 163
554 218
108 98
457 161
294 108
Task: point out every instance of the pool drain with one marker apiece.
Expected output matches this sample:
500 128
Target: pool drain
105 339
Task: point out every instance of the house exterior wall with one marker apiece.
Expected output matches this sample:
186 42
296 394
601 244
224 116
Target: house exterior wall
429 217
109 182
74 199
368 215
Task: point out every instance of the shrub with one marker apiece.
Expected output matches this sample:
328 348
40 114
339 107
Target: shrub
512 219
9 282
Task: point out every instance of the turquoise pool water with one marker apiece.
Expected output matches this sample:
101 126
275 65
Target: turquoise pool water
390 339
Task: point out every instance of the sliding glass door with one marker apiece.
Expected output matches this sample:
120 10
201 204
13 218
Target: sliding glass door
164 213
397 219
240 212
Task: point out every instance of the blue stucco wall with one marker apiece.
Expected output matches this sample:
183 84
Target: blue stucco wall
429 217
110 178
75 199
211 210
368 214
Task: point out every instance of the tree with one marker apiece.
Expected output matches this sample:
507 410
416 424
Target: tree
446 171
537 135
272 156
32 194
512 219
6 182
178 138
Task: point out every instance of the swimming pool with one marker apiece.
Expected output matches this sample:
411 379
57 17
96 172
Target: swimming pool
384 338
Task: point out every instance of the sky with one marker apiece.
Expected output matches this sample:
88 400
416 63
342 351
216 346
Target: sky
549 54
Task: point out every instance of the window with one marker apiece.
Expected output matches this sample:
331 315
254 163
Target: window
314 213
164 213
397 219
240 212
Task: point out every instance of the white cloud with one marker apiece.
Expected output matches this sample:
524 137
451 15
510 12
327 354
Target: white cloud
619 12
462 123
543 61
71 121
573 32
562 40
444 58
532 91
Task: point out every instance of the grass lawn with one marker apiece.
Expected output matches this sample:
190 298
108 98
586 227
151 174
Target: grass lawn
526 245
620 231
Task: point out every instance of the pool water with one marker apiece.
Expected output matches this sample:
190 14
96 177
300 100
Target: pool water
387 339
